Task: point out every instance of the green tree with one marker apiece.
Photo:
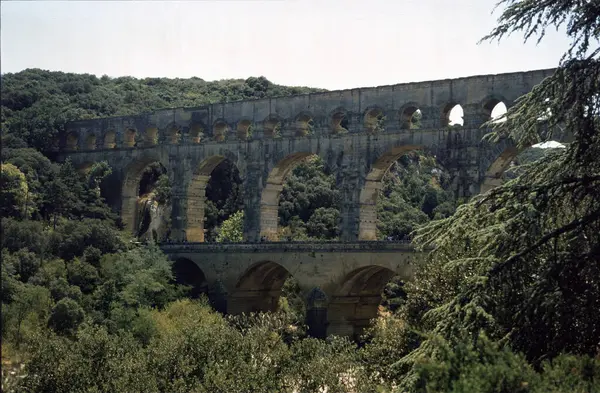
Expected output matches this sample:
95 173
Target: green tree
25 264
232 229
523 258
66 316
17 235
309 188
22 317
36 104
324 223
13 191
98 172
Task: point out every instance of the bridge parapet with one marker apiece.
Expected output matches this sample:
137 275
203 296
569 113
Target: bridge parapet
281 247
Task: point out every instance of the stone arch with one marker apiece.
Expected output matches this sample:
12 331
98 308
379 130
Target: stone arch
499 157
196 197
495 163
373 120
129 137
407 113
244 129
339 121
489 103
187 272
90 142
55 144
84 167
151 136
272 126
173 133
72 141
370 190
356 300
303 124
448 111
220 130
110 140
258 288
269 202
196 132
130 188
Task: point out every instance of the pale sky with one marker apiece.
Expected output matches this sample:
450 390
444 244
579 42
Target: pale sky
332 44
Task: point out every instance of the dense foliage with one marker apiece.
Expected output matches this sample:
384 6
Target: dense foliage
520 265
36 103
508 301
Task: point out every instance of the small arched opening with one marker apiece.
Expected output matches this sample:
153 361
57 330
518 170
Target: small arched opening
110 140
374 120
410 117
151 136
129 137
196 133
220 130
72 141
316 313
244 130
453 115
173 134
495 110
272 127
339 121
304 125
90 142
84 168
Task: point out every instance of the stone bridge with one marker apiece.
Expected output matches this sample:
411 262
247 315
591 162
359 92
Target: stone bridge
359 133
341 282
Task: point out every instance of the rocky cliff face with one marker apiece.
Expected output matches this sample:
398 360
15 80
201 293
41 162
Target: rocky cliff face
154 219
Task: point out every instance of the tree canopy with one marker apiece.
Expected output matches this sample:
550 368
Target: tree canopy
507 300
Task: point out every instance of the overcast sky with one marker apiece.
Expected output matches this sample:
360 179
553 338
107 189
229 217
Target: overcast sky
333 44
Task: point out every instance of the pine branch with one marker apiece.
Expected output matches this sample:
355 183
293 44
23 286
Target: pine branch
569 227
574 181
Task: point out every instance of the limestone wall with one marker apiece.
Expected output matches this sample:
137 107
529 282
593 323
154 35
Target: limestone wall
221 122
267 138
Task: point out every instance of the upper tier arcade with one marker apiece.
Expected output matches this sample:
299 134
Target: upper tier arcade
360 110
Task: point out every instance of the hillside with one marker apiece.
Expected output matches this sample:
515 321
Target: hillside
37 103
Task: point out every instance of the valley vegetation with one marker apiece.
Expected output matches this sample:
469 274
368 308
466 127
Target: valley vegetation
508 301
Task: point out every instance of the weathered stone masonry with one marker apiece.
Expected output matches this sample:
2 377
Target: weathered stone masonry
345 278
359 133
267 138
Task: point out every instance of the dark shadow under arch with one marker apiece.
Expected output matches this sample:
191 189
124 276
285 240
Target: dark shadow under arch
258 288
357 299
187 272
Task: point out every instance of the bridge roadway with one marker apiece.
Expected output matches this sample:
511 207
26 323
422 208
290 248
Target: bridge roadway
341 281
